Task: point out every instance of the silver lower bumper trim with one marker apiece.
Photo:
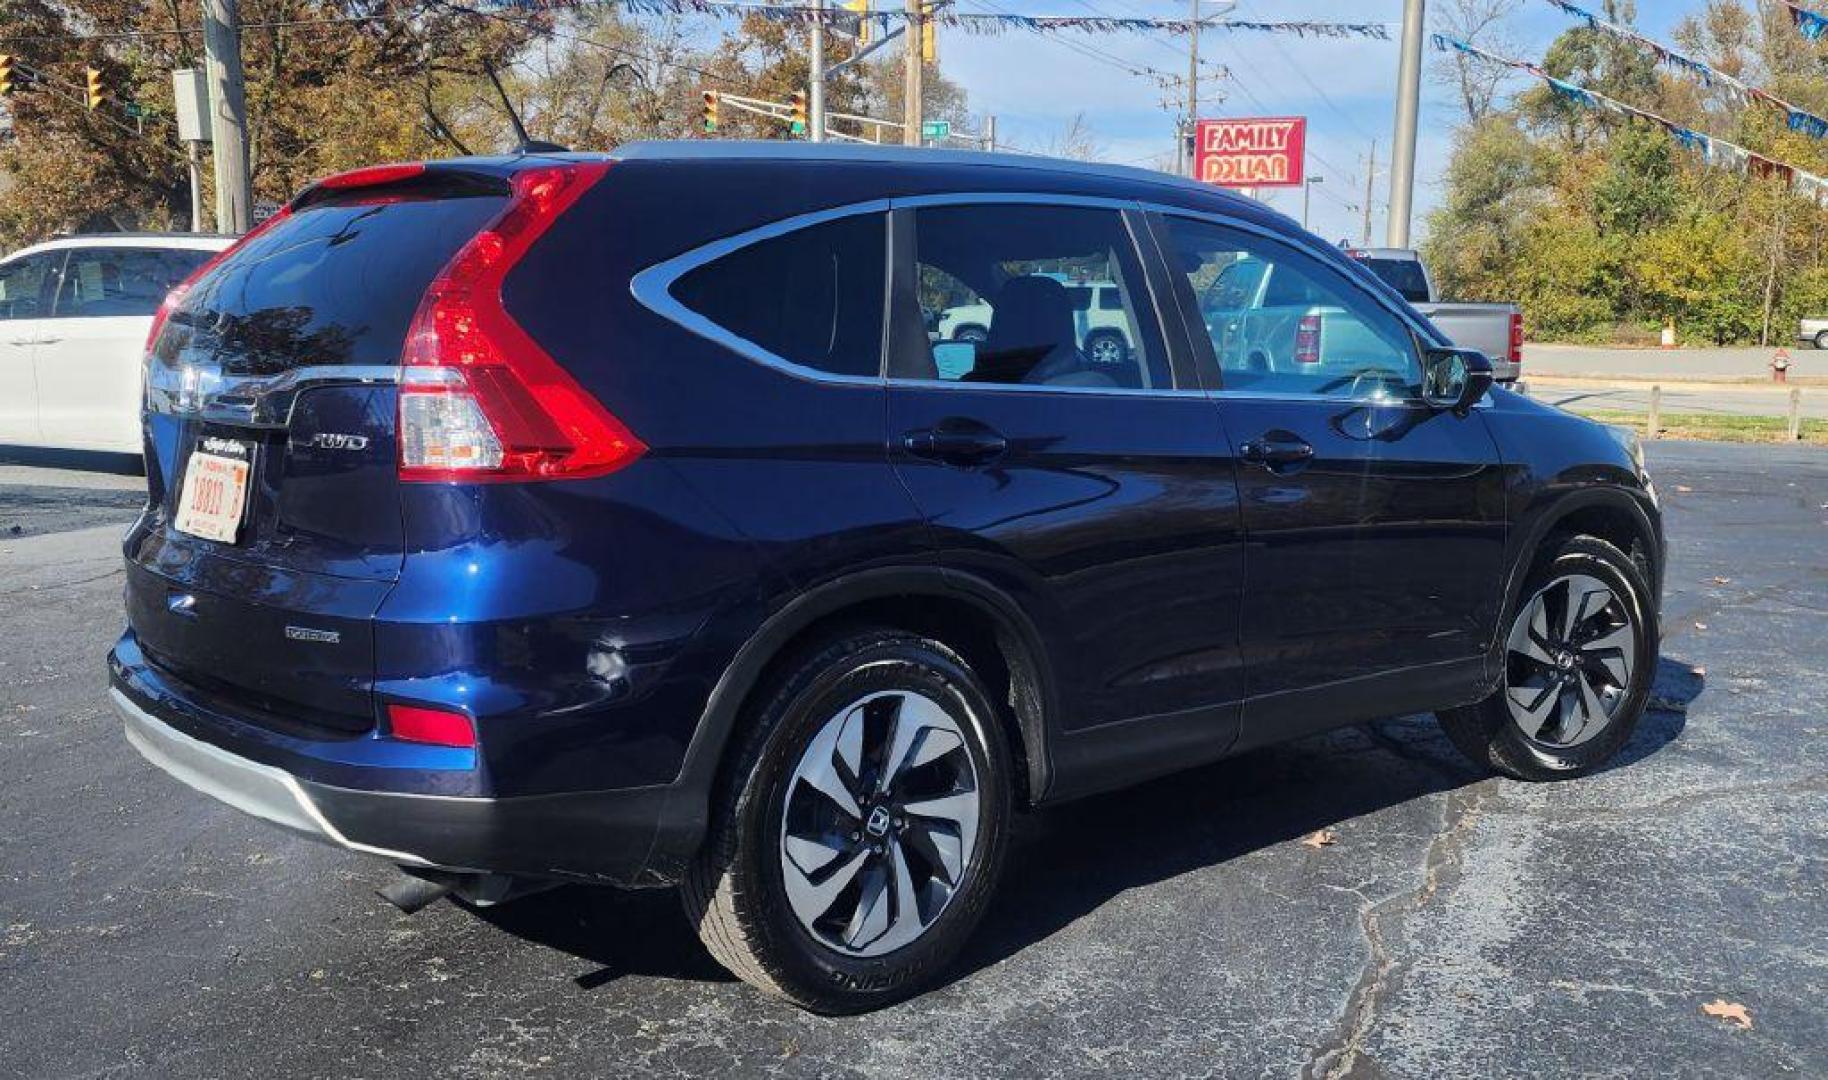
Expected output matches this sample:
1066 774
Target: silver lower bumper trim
264 791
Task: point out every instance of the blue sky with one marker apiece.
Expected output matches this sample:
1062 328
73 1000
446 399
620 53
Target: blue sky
1346 88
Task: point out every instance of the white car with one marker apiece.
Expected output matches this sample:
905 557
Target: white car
1102 323
74 313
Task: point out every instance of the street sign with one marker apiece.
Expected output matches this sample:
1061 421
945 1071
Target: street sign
1264 152
936 129
135 110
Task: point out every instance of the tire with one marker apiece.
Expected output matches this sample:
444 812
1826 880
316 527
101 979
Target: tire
742 890
1106 347
1821 340
1597 680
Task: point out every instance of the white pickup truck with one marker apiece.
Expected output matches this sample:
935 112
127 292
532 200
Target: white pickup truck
1495 329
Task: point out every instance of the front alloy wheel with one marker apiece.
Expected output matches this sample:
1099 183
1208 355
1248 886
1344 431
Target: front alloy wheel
1578 658
879 823
1569 661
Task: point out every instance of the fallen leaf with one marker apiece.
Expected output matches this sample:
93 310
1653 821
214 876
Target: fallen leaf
1723 581
1730 1011
1684 487
1701 626
1320 838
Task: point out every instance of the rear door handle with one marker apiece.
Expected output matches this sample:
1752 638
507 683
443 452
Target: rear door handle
968 443
1277 451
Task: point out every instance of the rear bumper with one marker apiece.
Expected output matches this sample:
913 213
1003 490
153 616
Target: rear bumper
606 837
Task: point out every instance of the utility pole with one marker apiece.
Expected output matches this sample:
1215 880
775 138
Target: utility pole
1408 107
912 89
815 96
990 133
1193 87
228 115
1307 192
1370 178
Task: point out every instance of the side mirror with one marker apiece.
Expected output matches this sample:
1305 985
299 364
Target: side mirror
1455 378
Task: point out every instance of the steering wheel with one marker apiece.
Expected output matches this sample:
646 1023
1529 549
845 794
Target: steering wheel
1381 377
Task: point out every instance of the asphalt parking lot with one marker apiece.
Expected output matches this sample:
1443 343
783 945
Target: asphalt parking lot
1457 925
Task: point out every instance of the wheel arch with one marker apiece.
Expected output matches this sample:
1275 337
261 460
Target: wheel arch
1611 514
981 622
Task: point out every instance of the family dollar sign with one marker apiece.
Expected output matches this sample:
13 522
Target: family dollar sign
1252 153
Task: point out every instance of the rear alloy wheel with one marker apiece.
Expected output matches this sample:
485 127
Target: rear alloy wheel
861 830
1821 340
1579 657
880 823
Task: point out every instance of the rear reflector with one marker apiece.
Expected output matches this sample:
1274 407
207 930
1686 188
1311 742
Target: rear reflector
435 727
504 409
1307 340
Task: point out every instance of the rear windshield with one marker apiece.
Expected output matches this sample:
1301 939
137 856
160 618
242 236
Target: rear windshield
333 284
1403 275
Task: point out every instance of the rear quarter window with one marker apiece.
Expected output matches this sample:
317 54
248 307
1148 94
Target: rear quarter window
813 297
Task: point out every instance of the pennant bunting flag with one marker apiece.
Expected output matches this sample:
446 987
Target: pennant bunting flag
1807 23
969 22
1797 119
1716 152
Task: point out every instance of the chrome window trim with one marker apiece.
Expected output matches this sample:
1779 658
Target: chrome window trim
201 391
653 289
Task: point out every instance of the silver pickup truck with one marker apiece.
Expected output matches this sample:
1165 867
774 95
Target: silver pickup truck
1494 329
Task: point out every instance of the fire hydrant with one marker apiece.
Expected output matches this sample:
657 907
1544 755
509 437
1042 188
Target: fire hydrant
1780 366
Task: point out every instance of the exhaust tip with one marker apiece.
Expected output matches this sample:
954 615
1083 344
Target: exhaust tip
412 894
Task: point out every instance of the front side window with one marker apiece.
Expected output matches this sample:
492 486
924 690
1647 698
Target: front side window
1030 295
114 281
1283 322
22 285
813 296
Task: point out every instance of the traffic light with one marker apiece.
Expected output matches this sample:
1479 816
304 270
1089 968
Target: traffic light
798 124
710 110
96 94
865 29
929 33
6 75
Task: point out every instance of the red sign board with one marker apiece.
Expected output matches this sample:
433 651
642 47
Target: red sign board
1267 152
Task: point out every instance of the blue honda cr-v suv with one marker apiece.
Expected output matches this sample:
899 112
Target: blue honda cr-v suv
777 521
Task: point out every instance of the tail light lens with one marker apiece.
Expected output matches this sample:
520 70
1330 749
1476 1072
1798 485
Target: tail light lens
1516 337
480 400
434 727
1307 340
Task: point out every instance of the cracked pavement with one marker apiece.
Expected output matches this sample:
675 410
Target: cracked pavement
1459 925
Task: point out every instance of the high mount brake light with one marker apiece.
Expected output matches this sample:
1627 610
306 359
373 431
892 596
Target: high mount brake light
372 176
479 399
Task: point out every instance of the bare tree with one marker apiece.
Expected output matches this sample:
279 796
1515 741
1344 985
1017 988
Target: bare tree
1481 23
1077 141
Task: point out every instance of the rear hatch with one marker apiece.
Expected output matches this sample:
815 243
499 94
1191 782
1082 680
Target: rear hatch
272 394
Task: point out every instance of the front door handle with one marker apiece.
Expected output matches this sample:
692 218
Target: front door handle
968 443
1277 451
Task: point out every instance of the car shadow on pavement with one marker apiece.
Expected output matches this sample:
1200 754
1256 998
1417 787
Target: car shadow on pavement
1067 861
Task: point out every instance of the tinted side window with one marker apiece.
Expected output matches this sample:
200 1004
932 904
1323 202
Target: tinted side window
1283 322
1403 275
122 281
1033 295
22 284
813 296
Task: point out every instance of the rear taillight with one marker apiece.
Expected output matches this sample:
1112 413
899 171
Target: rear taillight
1307 340
479 399
434 727
1516 337
175 298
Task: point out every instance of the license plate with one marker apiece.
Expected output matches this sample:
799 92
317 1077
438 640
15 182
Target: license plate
215 495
